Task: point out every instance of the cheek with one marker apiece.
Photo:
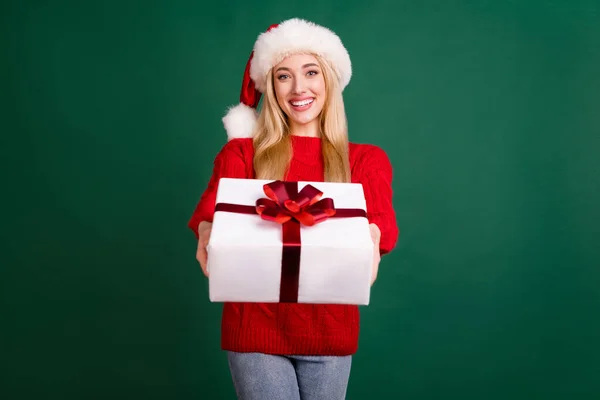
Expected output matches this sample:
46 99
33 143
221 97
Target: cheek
319 86
319 89
280 93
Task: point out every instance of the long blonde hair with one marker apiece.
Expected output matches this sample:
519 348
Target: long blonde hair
272 143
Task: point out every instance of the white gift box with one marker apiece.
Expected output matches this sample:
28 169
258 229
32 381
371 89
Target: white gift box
245 251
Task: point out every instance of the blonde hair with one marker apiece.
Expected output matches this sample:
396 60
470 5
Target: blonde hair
272 143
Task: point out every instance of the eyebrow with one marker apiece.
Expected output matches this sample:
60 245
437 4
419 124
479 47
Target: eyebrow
304 66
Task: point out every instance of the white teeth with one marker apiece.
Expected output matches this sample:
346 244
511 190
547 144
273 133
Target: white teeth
302 103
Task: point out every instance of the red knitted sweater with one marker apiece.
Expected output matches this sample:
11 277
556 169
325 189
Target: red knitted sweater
305 329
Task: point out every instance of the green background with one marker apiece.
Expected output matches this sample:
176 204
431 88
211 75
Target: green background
489 111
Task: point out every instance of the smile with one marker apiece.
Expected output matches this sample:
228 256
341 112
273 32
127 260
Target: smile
302 105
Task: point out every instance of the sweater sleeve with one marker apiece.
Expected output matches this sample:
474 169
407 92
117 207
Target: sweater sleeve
230 162
375 171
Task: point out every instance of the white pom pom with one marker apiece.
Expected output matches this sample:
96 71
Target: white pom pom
240 121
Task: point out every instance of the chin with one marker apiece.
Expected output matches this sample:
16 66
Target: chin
304 120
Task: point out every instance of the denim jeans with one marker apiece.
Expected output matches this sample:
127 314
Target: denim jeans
258 376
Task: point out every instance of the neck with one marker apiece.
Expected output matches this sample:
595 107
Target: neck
308 130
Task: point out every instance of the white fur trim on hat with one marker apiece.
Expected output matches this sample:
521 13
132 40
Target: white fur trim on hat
240 121
294 36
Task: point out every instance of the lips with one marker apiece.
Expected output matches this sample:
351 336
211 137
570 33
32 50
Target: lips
302 104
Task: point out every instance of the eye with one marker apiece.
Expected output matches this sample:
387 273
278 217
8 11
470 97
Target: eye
312 73
282 77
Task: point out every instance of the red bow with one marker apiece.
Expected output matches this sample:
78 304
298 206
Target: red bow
305 206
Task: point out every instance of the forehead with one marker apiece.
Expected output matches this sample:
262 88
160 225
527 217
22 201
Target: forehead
296 61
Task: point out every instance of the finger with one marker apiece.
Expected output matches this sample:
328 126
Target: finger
202 257
204 239
373 278
203 265
375 232
375 238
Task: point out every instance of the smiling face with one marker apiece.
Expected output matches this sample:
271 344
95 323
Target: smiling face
300 89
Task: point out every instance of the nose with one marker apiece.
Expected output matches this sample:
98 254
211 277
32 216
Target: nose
299 86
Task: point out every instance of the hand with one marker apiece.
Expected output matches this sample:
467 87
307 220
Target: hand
376 236
204 230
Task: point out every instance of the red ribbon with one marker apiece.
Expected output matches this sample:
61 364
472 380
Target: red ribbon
290 208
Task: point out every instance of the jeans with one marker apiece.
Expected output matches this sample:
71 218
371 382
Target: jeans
258 376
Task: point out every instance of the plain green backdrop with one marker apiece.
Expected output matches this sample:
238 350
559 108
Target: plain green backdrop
489 110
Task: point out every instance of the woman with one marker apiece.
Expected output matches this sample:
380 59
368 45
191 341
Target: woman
295 351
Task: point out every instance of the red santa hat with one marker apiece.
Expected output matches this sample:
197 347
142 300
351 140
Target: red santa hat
271 47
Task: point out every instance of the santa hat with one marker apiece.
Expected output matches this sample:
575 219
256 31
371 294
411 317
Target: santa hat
271 47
